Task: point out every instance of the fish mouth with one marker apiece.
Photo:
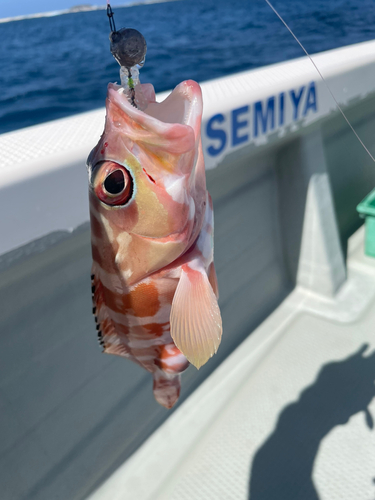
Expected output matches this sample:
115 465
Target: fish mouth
179 115
168 129
181 106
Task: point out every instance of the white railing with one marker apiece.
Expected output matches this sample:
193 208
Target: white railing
43 180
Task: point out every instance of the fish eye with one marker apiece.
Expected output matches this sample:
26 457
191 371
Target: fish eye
112 183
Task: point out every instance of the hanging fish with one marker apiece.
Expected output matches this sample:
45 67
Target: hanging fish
153 278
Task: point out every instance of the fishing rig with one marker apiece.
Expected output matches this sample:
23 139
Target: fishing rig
128 47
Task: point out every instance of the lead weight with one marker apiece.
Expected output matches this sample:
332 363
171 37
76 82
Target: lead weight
128 47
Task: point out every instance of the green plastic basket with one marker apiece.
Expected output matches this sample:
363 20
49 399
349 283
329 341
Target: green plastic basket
366 209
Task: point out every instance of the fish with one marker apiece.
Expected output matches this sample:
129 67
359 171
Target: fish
154 284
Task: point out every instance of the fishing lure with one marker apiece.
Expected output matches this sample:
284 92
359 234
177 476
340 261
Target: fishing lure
153 278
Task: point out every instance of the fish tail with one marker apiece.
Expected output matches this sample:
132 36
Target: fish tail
166 388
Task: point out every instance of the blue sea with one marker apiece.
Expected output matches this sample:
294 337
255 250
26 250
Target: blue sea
58 66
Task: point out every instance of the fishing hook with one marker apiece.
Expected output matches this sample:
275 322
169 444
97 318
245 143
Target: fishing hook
111 18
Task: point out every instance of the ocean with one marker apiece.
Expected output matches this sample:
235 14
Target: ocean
53 67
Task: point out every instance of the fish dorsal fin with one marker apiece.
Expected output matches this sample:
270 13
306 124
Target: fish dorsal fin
196 325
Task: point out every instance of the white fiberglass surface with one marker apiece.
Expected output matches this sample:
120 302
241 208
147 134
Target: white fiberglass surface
295 415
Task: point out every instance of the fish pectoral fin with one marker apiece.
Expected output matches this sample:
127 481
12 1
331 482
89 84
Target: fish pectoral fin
195 320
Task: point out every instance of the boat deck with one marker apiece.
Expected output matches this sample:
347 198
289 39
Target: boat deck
263 416
286 416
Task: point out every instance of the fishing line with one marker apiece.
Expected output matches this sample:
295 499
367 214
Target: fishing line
321 76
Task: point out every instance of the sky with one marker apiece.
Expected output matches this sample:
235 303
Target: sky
12 8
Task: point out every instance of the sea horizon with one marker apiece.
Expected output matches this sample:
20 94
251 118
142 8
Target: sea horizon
58 66
79 8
